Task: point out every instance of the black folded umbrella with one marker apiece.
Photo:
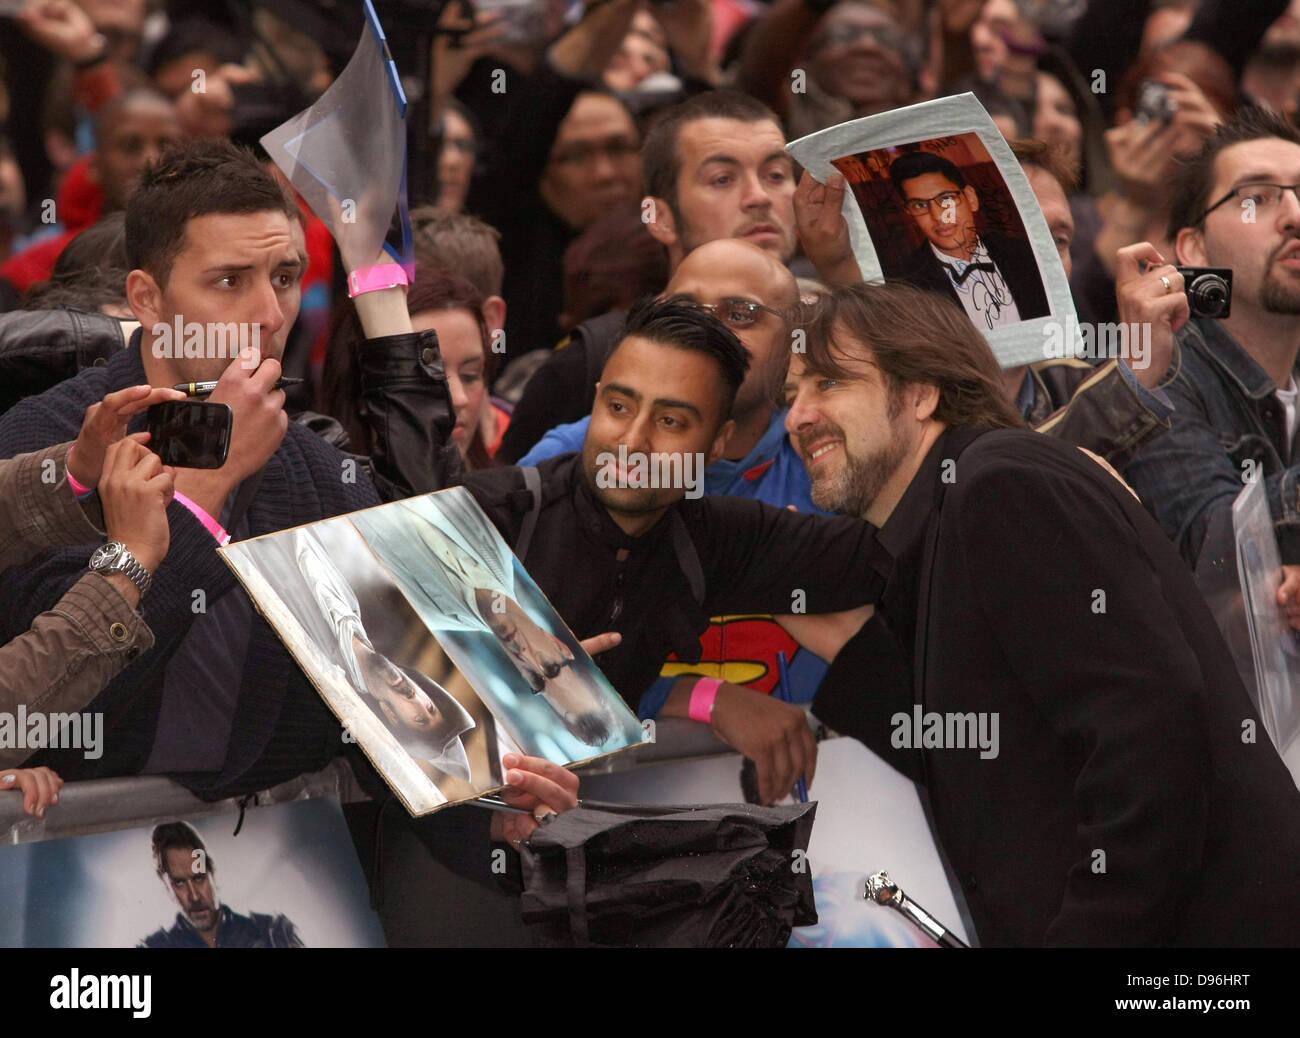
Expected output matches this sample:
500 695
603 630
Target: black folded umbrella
711 875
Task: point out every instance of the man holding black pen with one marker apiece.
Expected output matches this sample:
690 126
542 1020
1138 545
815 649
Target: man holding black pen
208 237
205 389
218 704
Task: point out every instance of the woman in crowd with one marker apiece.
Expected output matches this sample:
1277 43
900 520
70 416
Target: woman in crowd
453 308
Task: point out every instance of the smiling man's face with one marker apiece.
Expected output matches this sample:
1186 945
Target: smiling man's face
944 212
849 433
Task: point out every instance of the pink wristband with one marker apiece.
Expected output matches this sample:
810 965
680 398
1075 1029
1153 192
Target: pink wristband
376 279
76 487
702 697
200 513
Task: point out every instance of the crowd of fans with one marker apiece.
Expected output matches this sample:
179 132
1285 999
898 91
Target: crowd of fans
619 251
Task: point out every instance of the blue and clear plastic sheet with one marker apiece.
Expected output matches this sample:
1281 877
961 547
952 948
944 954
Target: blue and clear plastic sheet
346 154
1274 646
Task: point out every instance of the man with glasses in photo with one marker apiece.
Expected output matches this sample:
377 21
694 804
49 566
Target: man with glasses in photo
993 278
1235 205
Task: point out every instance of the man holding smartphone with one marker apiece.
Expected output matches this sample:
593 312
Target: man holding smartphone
209 238
219 704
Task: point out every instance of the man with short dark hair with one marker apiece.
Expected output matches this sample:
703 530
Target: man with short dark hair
1081 742
750 291
992 276
1235 392
209 240
219 703
183 864
715 166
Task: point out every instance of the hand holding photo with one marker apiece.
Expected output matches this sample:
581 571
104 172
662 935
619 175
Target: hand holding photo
433 646
937 199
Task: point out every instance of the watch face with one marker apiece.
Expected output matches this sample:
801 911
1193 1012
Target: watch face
104 555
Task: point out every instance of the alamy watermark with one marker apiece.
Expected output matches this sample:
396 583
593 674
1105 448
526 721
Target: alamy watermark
39 731
948 731
213 340
130 991
1130 343
657 471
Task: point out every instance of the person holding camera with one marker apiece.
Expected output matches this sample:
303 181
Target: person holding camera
72 494
1236 205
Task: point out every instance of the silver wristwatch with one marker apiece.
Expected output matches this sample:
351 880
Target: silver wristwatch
114 557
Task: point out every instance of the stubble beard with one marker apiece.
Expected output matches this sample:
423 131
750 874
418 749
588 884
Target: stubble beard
860 480
1275 295
214 916
628 501
853 489
690 240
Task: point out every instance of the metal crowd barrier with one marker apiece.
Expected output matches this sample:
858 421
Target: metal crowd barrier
105 805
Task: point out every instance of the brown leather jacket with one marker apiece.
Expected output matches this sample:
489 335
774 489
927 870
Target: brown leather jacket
72 651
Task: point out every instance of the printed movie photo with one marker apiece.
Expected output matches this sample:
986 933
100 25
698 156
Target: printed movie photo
289 879
433 646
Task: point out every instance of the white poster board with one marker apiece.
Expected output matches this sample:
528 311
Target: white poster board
978 198
1275 646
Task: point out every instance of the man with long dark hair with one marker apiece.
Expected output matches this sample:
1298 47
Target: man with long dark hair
1058 683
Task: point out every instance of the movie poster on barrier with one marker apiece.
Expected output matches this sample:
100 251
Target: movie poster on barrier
289 879
432 645
1274 645
937 198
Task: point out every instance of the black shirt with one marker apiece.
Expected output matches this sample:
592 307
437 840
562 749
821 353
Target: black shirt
755 558
234 931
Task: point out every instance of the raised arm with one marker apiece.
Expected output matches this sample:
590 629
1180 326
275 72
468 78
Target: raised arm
405 400
774 46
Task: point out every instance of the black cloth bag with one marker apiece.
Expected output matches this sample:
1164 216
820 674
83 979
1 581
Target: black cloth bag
712 875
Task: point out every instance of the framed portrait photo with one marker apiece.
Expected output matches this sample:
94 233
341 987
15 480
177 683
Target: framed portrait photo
936 198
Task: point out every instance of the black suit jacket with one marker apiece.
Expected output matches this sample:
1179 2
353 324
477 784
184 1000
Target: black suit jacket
1126 804
1014 258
